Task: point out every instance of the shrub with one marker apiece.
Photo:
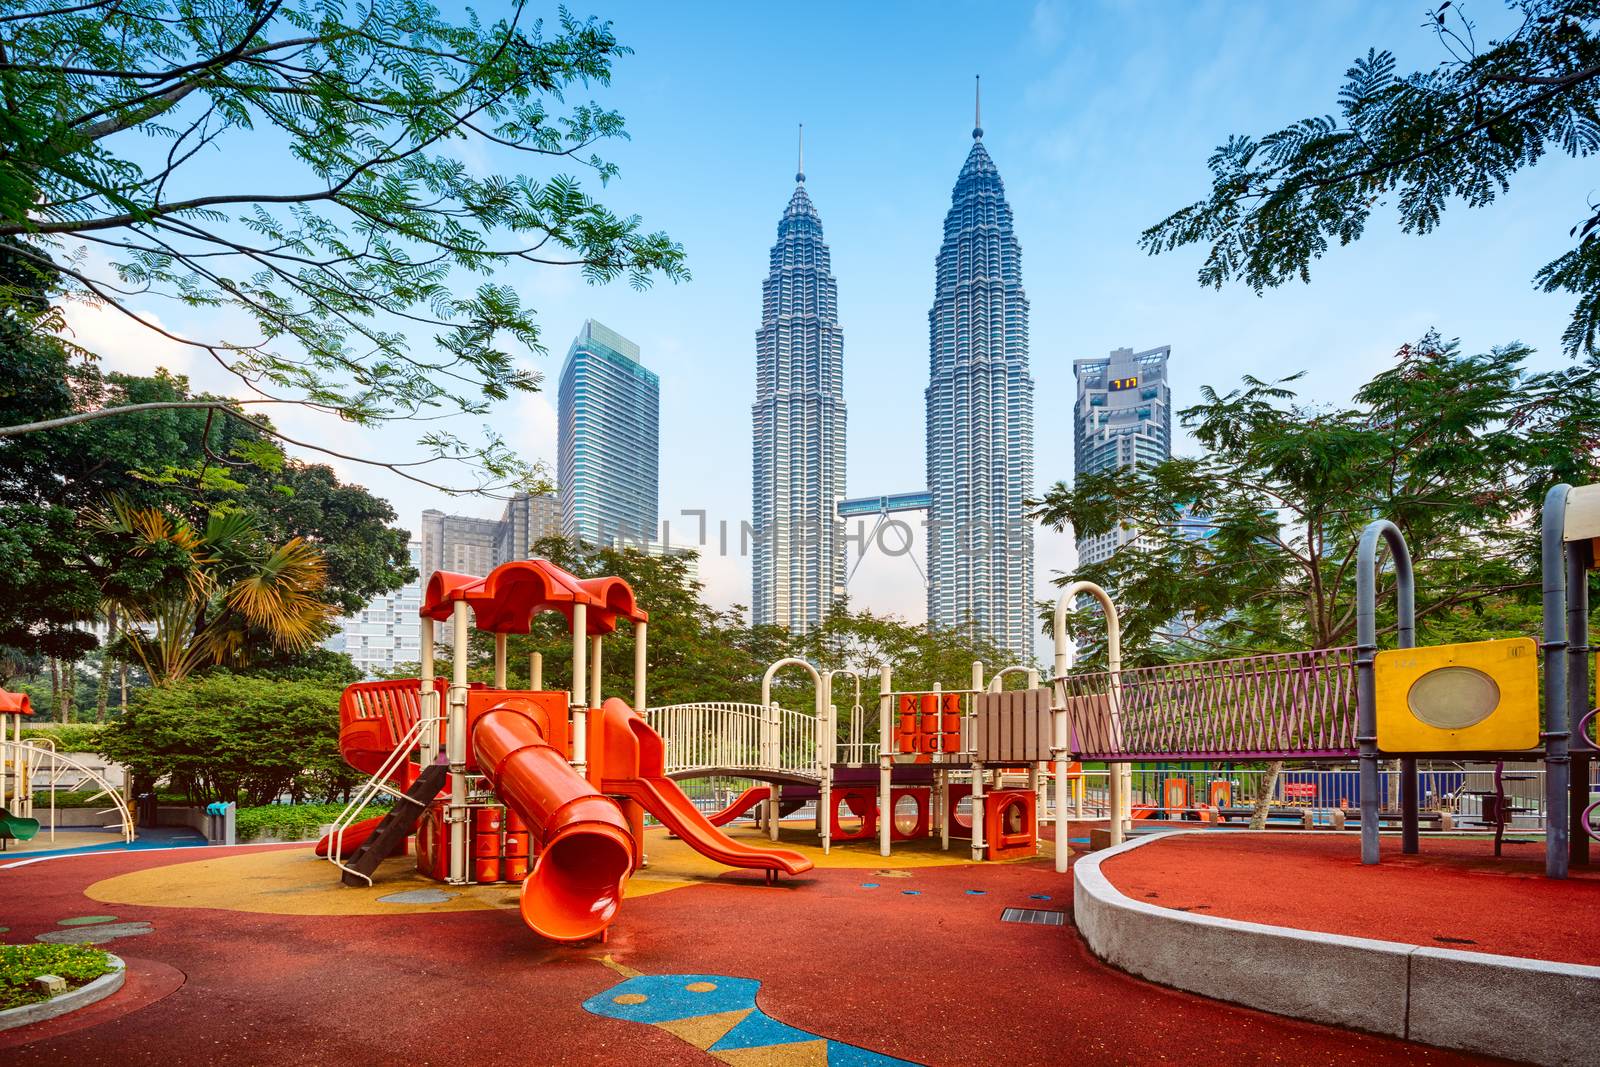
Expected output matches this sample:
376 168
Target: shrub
21 964
287 822
74 737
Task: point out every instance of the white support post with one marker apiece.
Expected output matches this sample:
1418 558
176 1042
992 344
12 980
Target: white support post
580 697
638 667
499 661
1119 775
825 739
456 744
978 847
427 696
1059 743
775 741
536 672
885 755
596 691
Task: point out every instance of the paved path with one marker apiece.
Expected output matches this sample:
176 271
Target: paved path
918 967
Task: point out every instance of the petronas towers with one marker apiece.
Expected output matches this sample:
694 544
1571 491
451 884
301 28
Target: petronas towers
979 430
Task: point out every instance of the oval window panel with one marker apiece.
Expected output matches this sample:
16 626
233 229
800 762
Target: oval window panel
1453 698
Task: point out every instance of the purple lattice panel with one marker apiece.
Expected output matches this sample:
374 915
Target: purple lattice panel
1291 705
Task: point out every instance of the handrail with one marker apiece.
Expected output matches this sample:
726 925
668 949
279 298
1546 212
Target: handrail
377 783
31 752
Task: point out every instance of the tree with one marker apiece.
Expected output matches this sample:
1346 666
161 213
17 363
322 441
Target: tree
229 595
1459 131
359 233
230 737
1456 450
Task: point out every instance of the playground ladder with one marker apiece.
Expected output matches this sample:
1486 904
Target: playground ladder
375 785
396 825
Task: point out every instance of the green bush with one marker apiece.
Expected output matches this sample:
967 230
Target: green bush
21 964
75 737
66 798
287 822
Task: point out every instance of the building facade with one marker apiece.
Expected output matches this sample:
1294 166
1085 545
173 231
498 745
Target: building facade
609 464
1122 419
980 418
466 544
798 553
387 633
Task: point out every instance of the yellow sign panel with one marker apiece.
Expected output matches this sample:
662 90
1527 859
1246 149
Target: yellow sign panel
1482 696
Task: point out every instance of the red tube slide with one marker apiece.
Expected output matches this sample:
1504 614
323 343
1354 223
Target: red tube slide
585 849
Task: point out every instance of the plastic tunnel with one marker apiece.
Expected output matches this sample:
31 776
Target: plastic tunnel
585 851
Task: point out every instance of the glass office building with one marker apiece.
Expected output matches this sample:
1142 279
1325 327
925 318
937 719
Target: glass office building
1122 418
609 464
980 418
798 552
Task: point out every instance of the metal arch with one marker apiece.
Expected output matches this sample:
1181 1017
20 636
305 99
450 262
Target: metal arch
1063 656
821 717
1121 781
1366 683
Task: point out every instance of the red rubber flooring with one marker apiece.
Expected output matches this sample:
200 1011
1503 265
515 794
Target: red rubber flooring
933 977
1453 894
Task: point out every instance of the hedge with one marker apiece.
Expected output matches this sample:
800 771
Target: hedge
21 964
288 822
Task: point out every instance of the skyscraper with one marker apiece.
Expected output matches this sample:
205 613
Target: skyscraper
470 545
387 632
980 417
1122 418
608 440
799 427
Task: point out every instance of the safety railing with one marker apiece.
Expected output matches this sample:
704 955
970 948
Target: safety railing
38 767
721 735
379 783
1280 706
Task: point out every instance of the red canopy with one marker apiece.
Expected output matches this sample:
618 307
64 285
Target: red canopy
506 601
14 704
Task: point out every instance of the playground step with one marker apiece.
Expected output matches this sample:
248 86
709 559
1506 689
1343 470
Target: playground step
396 825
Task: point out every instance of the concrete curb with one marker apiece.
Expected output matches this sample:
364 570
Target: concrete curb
1524 1009
71 1000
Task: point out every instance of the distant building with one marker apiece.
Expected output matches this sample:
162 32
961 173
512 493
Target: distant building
469 545
387 632
980 418
609 440
1122 419
798 423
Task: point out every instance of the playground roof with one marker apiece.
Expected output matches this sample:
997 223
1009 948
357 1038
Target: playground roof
14 704
513 593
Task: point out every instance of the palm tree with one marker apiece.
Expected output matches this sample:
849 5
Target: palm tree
226 591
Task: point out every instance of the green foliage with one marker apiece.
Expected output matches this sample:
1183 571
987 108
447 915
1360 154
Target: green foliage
75 737
233 737
1456 450
366 231
287 822
71 798
1417 141
21 964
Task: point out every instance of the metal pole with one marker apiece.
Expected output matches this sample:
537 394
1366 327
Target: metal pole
638 666
1366 685
1580 555
825 765
456 744
885 756
580 693
1557 760
1119 775
596 690
428 696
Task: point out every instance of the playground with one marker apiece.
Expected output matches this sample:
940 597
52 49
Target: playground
978 871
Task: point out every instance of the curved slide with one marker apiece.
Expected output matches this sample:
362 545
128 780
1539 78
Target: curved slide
662 798
585 851
741 804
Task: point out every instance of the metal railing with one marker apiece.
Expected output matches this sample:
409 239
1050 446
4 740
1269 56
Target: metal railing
722 735
35 766
376 785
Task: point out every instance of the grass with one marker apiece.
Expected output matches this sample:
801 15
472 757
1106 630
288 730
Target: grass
21 964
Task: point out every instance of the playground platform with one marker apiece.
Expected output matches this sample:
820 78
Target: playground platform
255 955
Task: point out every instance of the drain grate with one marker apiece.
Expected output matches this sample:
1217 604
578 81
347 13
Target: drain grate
1036 916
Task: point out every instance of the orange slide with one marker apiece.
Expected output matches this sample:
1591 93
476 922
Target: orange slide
585 851
633 755
741 804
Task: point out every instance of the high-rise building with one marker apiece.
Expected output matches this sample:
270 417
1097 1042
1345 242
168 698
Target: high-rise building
798 556
609 439
469 545
980 417
1122 419
387 632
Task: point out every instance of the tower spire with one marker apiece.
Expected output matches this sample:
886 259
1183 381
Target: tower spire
977 106
800 168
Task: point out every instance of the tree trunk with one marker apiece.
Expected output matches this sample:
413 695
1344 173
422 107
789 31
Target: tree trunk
55 690
107 665
1269 785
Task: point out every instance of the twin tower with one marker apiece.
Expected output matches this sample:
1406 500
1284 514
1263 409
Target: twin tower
979 424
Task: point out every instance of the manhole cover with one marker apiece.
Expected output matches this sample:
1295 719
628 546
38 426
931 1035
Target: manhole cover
1036 916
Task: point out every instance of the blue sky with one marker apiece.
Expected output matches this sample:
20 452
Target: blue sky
1100 117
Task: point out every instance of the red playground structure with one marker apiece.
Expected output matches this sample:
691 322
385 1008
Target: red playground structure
548 788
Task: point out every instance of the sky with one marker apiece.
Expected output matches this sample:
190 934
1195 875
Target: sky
1100 117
